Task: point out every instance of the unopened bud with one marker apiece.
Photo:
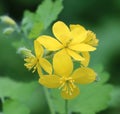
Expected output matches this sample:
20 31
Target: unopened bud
25 52
8 20
8 31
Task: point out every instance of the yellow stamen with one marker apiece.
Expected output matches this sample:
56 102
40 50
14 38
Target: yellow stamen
67 85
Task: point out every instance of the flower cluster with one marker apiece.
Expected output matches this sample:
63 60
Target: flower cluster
69 46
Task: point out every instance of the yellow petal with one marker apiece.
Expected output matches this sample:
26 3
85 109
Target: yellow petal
82 47
38 49
75 55
85 62
49 43
39 70
75 93
62 63
74 26
84 75
30 62
78 33
91 39
46 65
50 81
61 32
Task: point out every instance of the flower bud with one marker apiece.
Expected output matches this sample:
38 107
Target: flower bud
25 52
8 31
8 20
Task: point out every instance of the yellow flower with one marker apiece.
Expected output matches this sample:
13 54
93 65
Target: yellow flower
69 41
90 40
90 36
65 79
37 62
86 61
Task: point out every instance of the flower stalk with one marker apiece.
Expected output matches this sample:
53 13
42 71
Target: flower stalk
52 111
66 107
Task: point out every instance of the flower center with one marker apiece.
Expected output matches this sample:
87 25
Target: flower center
31 62
67 85
35 64
66 45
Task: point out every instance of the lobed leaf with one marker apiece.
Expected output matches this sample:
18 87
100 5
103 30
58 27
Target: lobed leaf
92 99
34 23
15 107
30 94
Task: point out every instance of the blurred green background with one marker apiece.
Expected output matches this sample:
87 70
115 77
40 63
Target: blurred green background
102 17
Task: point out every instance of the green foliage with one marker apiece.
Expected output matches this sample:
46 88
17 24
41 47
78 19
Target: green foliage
46 13
14 107
27 96
109 46
92 99
16 89
115 101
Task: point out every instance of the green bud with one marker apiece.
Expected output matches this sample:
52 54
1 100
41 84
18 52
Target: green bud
8 20
8 31
25 52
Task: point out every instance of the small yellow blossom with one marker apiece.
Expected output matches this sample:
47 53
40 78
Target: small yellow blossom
90 36
65 79
37 62
90 40
69 41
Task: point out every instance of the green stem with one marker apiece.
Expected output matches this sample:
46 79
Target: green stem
49 100
66 106
2 99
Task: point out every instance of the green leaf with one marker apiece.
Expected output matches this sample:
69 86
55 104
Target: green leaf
15 107
92 98
35 31
115 101
56 98
28 21
34 23
30 94
49 11
15 90
57 102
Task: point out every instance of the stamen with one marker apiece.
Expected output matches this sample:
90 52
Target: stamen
62 85
70 93
66 45
71 88
72 83
34 69
67 85
65 88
